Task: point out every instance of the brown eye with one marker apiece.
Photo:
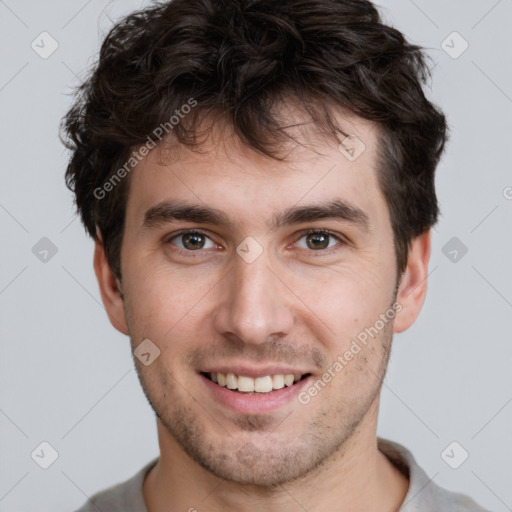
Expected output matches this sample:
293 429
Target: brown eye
317 241
320 240
191 241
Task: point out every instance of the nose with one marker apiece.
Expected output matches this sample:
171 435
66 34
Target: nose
255 304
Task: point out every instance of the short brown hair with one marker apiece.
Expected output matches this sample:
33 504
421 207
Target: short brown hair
241 58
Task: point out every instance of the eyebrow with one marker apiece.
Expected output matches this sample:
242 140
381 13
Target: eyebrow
337 209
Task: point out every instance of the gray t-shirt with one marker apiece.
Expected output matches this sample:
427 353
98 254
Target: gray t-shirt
423 494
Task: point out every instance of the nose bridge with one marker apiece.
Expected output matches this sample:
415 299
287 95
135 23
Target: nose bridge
254 303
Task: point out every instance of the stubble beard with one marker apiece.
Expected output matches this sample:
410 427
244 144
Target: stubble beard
254 452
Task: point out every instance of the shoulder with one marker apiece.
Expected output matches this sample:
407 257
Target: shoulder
437 498
424 495
125 496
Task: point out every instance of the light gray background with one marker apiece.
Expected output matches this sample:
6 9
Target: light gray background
67 377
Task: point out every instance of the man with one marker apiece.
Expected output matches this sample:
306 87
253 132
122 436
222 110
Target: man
258 177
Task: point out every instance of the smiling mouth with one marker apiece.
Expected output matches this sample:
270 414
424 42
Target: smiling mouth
254 386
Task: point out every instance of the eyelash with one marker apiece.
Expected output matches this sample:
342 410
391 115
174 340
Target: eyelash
322 252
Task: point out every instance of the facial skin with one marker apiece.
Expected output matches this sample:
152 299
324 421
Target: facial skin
296 306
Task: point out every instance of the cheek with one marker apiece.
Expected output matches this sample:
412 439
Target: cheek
346 299
164 303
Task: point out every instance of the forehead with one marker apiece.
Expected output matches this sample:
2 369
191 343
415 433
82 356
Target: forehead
226 175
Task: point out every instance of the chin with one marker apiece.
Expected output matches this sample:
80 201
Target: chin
265 472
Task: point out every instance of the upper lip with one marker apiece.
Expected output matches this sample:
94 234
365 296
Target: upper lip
252 371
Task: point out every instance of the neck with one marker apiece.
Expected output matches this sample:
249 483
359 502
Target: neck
356 477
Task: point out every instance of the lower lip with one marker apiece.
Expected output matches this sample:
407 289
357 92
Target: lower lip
257 403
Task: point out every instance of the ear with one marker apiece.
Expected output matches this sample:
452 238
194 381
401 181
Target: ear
110 288
413 285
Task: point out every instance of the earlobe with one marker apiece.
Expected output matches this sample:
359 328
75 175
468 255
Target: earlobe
413 286
110 288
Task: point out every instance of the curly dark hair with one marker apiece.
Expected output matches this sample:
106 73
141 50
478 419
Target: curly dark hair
241 59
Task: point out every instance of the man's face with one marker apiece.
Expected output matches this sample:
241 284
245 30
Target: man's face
260 301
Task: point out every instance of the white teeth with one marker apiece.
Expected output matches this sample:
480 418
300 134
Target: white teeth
231 381
263 384
278 381
246 384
